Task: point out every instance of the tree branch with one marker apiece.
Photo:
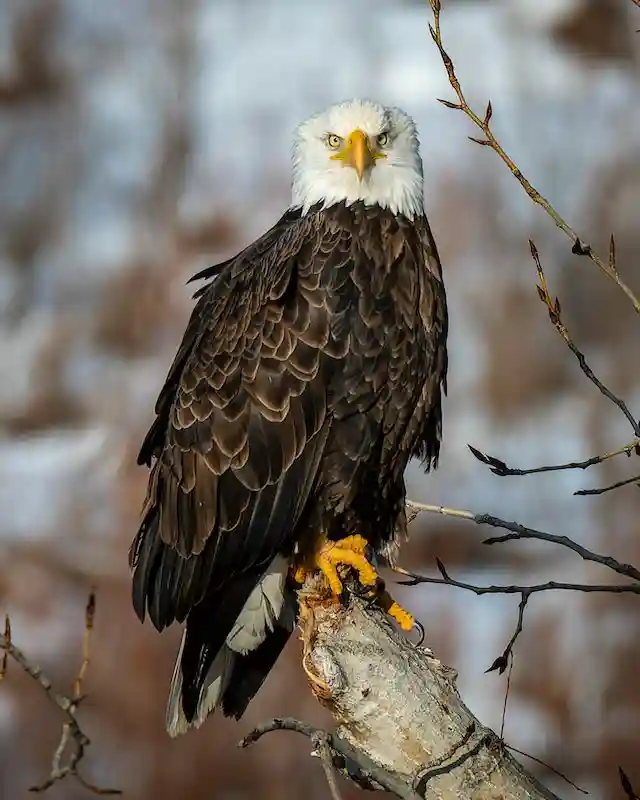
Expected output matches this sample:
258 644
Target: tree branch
401 723
350 761
555 311
489 139
397 708
634 479
518 531
525 593
501 469
609 267
72 737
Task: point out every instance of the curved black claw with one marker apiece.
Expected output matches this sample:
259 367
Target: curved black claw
420 628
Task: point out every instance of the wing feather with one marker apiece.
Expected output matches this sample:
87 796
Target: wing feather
239 436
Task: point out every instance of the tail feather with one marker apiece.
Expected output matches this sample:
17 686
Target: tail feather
251 670
220 652
211 692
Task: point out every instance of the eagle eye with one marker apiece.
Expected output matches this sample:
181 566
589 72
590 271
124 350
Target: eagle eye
334 141
382 139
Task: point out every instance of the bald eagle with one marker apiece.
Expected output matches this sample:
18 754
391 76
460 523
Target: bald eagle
310 372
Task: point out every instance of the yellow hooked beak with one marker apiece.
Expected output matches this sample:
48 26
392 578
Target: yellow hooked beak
358 153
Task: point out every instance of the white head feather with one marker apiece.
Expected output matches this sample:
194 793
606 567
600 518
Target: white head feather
394 181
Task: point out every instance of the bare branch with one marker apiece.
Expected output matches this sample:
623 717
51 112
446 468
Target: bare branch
501 469
72 737
555 311
352 762
6 639
608 267
549 767
321 743
527 591
89 615
624 778
518 531
635 479
501 663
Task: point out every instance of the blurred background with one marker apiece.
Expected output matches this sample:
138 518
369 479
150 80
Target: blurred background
142 140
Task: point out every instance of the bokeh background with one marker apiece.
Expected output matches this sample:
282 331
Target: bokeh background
141 140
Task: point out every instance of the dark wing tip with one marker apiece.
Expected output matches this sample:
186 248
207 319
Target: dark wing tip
209 272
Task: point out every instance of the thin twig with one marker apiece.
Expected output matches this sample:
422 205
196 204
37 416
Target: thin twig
507 688
547 766
635 479
498 467
518 531
627 787
555 311
321 743
527 591
608 267
6 640
355 764
72 737
502 662
89 615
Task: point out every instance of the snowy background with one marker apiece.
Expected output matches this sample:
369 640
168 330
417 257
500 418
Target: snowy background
141 140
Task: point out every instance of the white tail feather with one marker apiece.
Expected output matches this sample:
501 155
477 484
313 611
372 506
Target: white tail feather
215 683
263 609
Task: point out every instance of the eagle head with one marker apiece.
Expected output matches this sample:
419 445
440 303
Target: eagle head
358 150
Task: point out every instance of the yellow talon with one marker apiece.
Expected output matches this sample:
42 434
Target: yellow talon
395 610
348 552
402 617
332 557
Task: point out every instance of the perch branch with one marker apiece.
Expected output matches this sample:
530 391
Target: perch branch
397 707
609 267
72 739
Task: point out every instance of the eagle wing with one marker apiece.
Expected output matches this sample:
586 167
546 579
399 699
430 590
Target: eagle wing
240 428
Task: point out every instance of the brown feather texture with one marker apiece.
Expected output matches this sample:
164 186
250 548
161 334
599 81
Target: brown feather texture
310 372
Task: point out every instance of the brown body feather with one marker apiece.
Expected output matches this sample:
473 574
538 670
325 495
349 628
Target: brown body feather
310 372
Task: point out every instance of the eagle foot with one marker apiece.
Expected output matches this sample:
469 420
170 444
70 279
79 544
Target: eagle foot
333 556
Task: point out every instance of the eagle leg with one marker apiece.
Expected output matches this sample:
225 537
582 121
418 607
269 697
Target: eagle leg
331 556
